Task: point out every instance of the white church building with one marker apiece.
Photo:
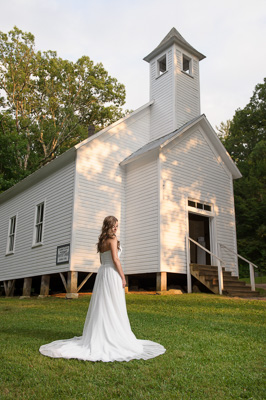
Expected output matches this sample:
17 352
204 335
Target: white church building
161 170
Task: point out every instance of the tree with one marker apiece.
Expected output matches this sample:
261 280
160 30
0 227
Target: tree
245 139
11 144
49 102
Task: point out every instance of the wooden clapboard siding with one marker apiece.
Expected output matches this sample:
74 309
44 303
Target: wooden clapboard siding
176 94
100 187
147 194
57 191
162 91
192 169
142 216
187 93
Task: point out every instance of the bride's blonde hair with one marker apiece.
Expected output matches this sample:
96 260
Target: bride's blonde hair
108 224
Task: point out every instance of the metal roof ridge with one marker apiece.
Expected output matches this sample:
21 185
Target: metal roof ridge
162 139
106 129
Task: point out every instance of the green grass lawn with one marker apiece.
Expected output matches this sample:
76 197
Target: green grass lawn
214 350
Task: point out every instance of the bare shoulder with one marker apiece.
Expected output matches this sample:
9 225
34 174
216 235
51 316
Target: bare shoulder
109 241
112 241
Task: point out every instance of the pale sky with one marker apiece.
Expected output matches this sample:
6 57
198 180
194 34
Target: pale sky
119 33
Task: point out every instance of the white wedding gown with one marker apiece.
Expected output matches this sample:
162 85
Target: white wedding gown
107 335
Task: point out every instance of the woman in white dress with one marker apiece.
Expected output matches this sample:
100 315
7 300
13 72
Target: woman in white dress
107 335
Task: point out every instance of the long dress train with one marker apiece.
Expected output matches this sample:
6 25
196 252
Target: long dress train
107 335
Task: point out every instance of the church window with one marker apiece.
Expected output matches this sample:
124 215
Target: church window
39 220
161 63
187 65
11 235
199 205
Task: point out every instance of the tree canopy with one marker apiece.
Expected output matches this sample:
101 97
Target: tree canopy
47 104
245 139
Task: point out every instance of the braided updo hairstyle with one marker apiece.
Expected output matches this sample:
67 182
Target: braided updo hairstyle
107 232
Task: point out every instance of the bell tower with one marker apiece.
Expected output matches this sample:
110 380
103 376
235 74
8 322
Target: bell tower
174 84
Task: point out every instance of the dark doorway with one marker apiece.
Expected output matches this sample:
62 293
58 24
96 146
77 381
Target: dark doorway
199 230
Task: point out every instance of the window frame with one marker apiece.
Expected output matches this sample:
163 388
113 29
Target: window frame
197 207
37 224
189 59
9 235
158 63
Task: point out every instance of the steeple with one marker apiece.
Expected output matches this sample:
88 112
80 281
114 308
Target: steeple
173 37
174 83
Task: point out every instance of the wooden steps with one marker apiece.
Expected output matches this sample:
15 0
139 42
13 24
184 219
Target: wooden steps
208 276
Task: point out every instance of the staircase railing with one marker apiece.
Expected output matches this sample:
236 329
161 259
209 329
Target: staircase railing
220 263
251 265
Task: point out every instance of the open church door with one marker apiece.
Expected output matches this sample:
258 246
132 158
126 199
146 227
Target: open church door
199 230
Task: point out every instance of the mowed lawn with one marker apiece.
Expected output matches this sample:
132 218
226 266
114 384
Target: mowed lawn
215 350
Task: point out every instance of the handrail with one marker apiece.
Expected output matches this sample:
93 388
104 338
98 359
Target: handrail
204 248
238 255
251 266
219 262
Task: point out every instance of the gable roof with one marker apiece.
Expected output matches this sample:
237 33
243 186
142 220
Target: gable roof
61 160
137 111
156 143
166 139
173 37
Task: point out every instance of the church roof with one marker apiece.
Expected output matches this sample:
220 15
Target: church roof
164 140
157 142
173 37
62 159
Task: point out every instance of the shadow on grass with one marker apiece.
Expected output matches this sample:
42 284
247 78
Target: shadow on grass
150 326
44 334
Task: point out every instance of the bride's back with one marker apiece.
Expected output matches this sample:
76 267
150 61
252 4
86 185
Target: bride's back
106 257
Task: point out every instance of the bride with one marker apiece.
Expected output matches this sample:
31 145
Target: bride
107 335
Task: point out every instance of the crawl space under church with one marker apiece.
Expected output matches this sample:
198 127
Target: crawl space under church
161 170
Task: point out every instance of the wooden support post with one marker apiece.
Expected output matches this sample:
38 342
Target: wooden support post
84 281
220 277
45 284
189 280
26 288
5 287
12 287
252 277
63 280
9 287
126 288
161 281
72 285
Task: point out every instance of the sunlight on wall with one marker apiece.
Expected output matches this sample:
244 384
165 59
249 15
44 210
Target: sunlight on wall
190 170
100 188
